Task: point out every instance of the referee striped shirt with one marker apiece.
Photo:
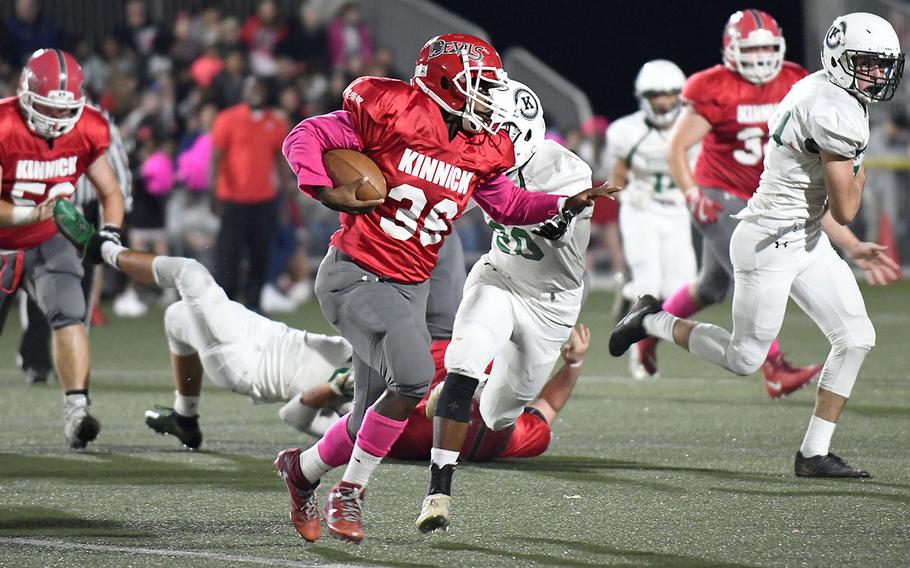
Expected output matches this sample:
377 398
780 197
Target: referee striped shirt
120 163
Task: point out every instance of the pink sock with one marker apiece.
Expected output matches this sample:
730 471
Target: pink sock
681 304
774 351
378 433
336 446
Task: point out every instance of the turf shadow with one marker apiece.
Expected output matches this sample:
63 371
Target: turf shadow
900 499
249 474
339 556
44 521
637 556
583 468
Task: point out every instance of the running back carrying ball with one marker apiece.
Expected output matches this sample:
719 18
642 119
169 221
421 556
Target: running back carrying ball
346 166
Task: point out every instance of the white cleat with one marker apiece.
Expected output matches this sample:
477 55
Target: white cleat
434 514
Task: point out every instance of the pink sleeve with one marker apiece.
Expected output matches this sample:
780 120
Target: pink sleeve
304 146
509 204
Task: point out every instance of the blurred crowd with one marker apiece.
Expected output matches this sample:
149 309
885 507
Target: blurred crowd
167 83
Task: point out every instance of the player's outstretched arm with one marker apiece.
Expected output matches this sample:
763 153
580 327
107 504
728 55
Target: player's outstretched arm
872 258
559 388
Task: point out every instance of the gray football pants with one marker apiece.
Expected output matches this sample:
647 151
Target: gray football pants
385 323
716 271
51 274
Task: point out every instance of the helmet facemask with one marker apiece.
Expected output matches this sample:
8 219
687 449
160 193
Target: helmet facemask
884 84
478 84
758 67
43 124
659 119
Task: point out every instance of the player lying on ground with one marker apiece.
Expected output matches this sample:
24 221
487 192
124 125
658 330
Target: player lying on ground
238 349
810 189
529 436
521 301
438 145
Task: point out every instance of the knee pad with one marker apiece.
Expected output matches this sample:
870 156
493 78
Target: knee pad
176 328
745 360
841 369
456 396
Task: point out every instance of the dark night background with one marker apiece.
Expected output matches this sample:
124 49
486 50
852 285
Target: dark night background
600 45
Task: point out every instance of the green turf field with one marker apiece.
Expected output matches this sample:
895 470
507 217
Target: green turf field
694 469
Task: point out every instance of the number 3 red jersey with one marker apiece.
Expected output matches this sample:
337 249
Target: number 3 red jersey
732 152
35 169
430 178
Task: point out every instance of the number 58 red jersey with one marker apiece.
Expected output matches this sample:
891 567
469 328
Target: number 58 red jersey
35 169
732 153
430 178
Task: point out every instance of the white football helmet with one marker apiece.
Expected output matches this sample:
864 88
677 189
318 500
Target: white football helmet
659 77
526 126
871 40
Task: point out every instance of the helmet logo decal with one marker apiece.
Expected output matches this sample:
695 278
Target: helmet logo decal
441 47
526 104
836 35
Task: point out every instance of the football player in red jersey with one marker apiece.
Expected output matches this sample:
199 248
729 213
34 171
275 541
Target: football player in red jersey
529 436
727 110
438 144
48 139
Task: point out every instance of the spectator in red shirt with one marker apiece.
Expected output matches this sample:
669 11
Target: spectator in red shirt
246 141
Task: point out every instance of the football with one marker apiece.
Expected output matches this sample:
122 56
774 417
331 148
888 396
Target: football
345 166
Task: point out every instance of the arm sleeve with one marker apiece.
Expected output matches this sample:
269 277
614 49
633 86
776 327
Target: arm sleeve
508 204
304 146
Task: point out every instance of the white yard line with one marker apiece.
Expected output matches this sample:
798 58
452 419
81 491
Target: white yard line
63 545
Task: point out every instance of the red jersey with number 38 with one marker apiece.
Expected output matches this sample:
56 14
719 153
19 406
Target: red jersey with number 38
429 177
35 169
732 153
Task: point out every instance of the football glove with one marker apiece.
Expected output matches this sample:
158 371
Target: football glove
112 233
342 382
703 209
555 227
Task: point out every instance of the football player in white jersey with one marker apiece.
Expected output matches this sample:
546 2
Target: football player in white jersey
810 189
653 219
520 303
238 349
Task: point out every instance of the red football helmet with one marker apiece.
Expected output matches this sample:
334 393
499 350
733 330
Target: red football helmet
459 71
51 81
754 29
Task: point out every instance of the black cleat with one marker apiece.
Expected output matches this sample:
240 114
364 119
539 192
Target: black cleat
826 466
630 329
165 420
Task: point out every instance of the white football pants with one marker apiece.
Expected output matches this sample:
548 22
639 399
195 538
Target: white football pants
524 334
657 243
771 265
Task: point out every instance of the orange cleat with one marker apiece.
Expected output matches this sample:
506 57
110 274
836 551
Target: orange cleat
343 511
304 511
781 378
